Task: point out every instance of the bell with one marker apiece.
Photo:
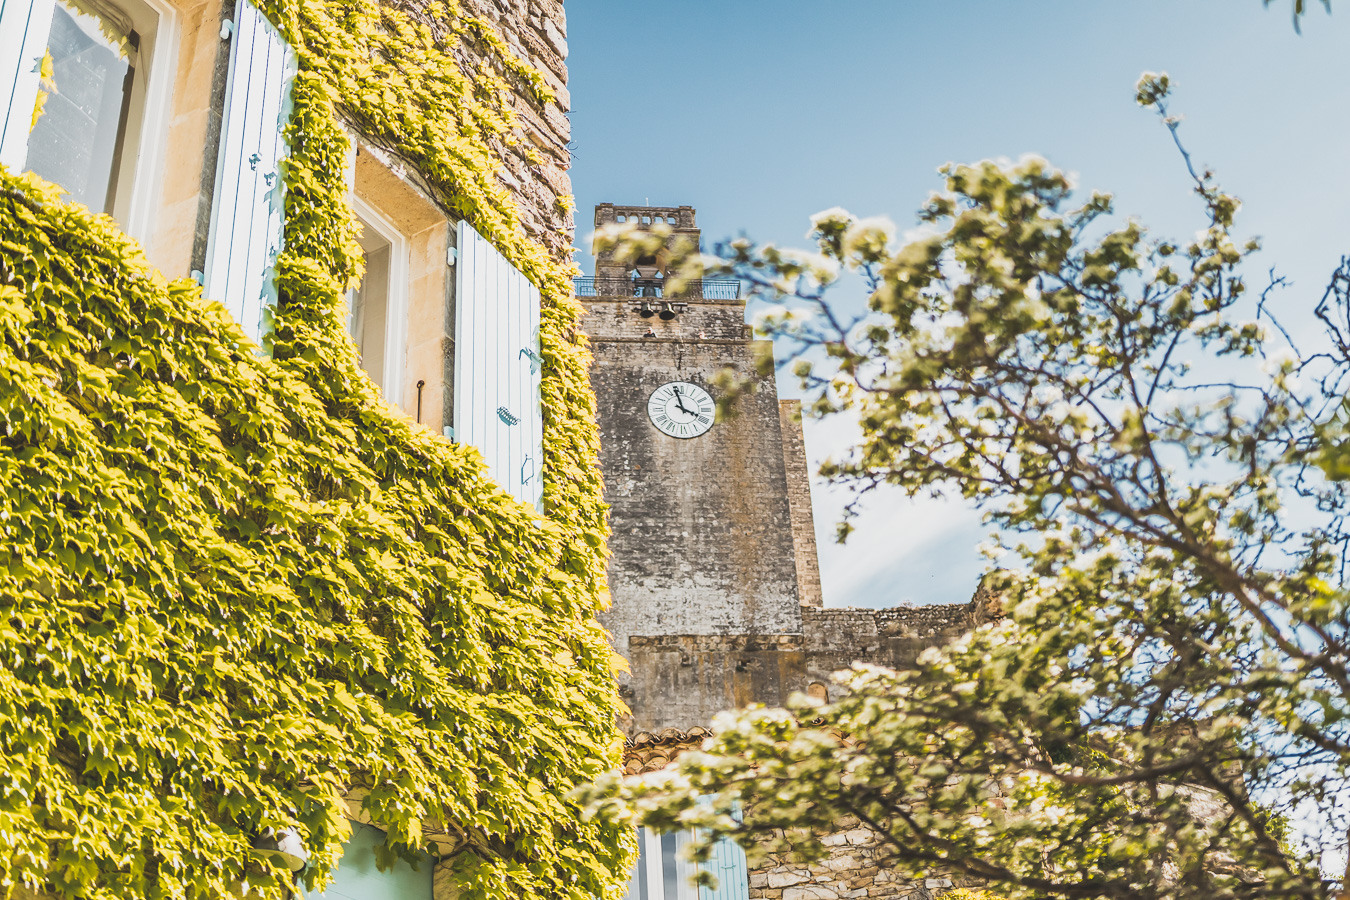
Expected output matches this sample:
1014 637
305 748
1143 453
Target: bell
283 847
667 312
646 310
647 281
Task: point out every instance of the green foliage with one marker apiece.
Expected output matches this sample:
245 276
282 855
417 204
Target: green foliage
238 587
1171 681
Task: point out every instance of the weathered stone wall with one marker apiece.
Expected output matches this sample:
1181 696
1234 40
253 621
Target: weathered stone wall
799 503
708 322
682 680
853 869
702 532
702 540
536 31
836 638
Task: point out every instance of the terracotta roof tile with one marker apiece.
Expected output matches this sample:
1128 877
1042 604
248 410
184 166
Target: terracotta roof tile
648 752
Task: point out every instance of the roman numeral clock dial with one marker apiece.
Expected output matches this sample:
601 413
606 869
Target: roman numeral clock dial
681 409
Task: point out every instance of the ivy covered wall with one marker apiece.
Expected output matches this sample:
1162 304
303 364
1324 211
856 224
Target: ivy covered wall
238 590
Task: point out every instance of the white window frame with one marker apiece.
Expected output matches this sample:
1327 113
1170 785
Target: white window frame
652 864
142 206
396 302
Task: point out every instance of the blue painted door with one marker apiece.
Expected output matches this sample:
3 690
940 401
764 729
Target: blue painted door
497 366
358 878
246 211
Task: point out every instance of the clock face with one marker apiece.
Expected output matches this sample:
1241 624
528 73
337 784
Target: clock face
681 409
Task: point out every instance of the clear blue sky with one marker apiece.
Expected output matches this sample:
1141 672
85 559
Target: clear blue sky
761 113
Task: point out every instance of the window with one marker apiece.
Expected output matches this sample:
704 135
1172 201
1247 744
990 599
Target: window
83 111
377 311
662 873
399 316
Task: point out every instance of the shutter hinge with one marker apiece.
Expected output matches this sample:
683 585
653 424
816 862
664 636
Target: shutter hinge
226 29
451 256
505 415
535 359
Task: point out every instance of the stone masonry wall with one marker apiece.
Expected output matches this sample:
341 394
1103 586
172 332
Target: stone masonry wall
702 532
682 680
536 31
853 869
799 502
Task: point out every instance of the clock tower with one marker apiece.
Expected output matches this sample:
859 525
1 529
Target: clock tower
712 569
712 539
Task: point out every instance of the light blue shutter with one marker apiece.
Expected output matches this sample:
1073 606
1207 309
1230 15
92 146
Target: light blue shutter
246 213
497 366
24 26
733 874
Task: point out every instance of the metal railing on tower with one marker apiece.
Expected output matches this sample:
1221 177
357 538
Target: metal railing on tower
699 289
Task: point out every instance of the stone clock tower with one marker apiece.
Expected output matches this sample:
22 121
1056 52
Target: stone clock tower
712 533
713 572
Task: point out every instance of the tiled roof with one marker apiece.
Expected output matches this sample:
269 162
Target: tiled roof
648 752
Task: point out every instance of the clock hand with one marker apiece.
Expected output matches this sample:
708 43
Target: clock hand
679 401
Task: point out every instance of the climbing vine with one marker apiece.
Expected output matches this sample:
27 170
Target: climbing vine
240 593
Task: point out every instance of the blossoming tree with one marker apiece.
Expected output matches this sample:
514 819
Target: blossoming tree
1170 685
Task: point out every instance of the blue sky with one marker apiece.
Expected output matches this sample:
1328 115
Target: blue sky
761 113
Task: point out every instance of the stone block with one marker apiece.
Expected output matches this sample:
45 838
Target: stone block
555 37
810 892
786 879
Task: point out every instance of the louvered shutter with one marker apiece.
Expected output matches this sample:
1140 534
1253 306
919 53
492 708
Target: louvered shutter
497 366
733 874
246 212
24 27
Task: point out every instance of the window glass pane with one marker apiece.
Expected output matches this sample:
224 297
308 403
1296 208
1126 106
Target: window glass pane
368 305
637 879
670 864
76 142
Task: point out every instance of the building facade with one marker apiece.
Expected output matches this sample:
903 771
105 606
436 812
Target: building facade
715 584
310 541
